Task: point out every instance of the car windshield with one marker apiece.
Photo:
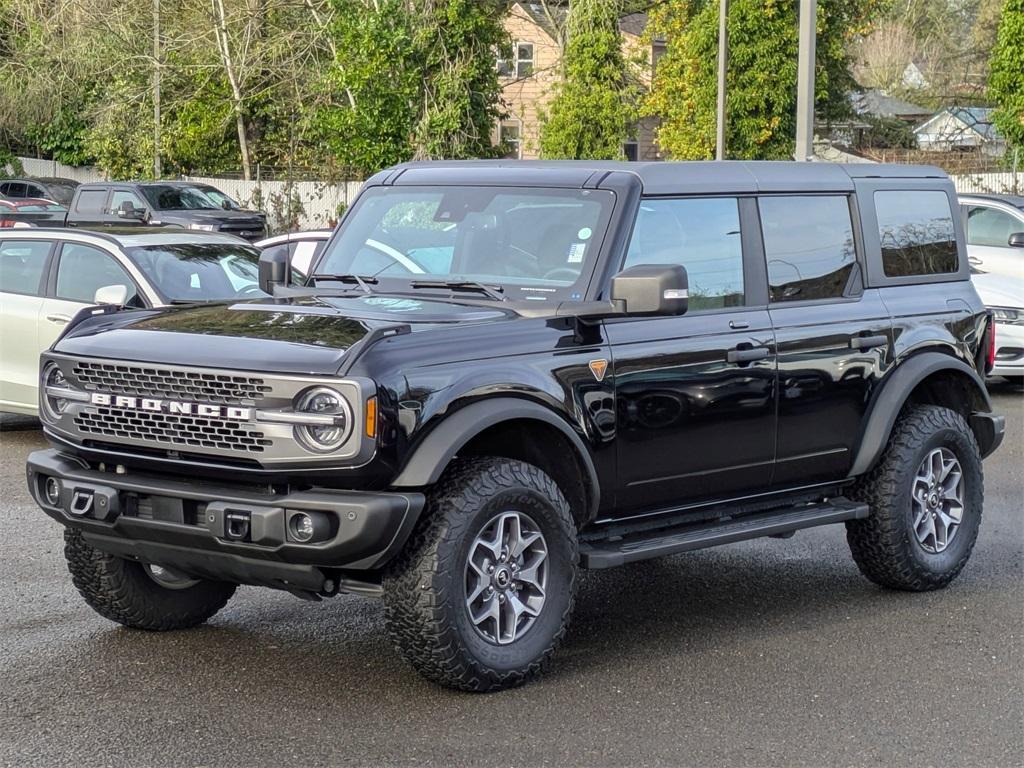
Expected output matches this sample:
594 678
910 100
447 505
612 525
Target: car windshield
61 193
220 199
200 271
178 198
533 244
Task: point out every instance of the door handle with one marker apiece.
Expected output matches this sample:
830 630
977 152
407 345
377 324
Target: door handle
868 342
747 355
738 325
61 319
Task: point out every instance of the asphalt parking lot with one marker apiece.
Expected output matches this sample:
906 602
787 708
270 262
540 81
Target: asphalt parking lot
764 653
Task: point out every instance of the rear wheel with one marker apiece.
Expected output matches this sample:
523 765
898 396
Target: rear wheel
139 595
926 497
482 594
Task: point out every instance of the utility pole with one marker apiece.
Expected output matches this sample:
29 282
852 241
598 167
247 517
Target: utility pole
157 170
805 81
723 58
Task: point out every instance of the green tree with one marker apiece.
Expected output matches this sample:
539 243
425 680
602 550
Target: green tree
762 74
1006 84
596 103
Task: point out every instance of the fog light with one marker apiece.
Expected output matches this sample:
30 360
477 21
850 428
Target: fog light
308 527
302 527
51 489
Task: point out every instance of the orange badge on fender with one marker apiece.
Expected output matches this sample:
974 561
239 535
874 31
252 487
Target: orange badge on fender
599 368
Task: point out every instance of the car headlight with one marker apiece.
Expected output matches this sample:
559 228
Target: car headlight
1008 315
53 381
204 227
332 416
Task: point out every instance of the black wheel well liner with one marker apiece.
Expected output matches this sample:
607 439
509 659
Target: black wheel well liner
928 377
512 428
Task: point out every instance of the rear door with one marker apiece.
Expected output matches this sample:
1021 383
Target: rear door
695 394
834 338
23 269
88 207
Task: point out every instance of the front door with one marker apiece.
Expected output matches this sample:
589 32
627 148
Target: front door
695 394
988 239
23 267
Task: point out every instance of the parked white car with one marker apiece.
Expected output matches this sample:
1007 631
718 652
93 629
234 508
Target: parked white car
1004 295
48 275
301 247
995 233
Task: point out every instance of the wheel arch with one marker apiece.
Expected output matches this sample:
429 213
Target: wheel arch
511 428
925 378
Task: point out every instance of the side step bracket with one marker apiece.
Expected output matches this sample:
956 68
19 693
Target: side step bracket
644 545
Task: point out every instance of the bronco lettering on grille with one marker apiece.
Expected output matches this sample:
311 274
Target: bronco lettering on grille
179 407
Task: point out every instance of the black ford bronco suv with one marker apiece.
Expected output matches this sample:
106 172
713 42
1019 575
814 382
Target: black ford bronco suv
500 373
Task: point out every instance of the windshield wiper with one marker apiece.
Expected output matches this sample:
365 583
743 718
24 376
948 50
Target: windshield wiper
362 281
493 291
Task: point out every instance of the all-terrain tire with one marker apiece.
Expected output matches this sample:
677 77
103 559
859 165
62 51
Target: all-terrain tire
122 591
425 590
884 544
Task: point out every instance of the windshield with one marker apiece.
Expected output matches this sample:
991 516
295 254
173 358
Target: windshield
535 244
177 198
61 193
219 198
200 271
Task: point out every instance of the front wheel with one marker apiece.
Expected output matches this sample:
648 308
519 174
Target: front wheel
926 498
483 592
138 595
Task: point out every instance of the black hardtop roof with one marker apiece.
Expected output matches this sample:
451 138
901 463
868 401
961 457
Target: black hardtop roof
658 178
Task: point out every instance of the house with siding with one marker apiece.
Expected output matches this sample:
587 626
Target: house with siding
530 76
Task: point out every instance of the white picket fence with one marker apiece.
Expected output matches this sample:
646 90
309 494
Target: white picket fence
317 203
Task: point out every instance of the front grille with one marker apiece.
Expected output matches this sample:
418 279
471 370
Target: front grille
172 429
146 381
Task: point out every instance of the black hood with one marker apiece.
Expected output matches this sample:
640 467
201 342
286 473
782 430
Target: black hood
300 335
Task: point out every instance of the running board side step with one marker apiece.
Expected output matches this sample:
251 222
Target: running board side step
644 545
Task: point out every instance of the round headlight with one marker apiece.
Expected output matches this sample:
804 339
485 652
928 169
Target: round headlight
329 403
53 376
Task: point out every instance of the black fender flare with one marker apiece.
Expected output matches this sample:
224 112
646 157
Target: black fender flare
893 393
443 443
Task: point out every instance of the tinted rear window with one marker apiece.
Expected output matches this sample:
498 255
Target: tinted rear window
916 232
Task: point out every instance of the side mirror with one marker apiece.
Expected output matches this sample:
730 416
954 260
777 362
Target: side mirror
1016 240
651 289
128 211
226 204
274 269
116 295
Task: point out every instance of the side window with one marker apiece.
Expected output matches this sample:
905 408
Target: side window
83 269
916 231
22 263
14 189
32 190
990 226
121 196
809 246
90 201
701 234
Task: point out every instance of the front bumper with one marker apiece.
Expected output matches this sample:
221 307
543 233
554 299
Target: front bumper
228 533
1009 350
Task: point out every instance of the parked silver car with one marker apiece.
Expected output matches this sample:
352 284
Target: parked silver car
47 275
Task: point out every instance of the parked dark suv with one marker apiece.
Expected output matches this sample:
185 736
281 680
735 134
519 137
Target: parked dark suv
499 374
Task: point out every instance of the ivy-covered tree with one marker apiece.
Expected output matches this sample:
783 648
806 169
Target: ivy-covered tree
412 79
1006 85
761 78
596 103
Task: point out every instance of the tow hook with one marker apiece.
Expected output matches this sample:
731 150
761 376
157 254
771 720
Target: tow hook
237 526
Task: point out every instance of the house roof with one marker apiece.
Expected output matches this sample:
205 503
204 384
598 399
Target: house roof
976 119
552 17
878 104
